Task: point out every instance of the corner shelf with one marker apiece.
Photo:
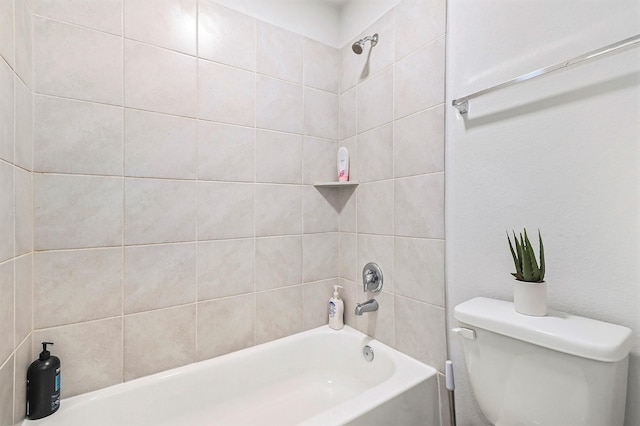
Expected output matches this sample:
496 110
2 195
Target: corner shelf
348 184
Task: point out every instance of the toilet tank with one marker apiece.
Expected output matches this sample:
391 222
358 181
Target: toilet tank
557 370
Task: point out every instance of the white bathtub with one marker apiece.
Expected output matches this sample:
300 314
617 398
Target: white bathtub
318 377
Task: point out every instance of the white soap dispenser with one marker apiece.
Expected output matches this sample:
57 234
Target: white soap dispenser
336 310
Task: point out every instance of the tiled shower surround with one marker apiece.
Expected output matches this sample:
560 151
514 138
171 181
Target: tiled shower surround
174 146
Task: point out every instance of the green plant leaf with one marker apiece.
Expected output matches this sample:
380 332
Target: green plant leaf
519 252
531 255
527 272
542 264
515 258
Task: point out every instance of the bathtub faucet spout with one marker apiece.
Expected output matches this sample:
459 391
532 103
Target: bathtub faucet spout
368 306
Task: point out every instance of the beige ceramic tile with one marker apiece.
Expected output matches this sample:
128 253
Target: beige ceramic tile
419 80
375 207
226 94
159 340
76 285
319 160
321 209
278 210
103 15
420 216
7 40
287 321
225 210
420 331
225 268
225 325
279 53
375 101
320 258
159 276
24 42
279 105
7 111
159 145
23 125
22 362
6 310
24 211
348 256
90 143
375 154
226 36
278 262
6 391
77 211
347 113
348 209
24 297
278 157
419 269
321 114
94 75
159 211
419 143
418 22
7 228
167 23
225 153
159 80
78 346
321 66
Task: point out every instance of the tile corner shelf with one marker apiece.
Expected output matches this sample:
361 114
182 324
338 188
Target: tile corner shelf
350 184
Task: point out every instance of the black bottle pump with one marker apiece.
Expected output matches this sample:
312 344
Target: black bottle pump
43 385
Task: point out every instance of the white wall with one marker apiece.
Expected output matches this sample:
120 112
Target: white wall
561 153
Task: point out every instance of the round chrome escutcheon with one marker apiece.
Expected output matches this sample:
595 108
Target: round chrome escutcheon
367 352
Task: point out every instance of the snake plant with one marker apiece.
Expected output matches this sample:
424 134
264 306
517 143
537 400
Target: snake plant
524 258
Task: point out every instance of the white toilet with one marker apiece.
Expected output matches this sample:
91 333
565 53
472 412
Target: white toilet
557 370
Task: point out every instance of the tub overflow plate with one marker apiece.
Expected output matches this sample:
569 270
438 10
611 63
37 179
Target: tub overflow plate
368 353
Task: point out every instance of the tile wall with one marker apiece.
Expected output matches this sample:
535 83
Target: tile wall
175 147
392 121
172 152
16 210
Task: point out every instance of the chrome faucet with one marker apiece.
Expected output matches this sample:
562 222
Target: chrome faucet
368 306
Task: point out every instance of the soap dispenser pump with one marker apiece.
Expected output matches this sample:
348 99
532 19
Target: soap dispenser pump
43 385
336 310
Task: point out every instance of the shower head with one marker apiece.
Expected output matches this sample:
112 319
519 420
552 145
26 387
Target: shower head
359 45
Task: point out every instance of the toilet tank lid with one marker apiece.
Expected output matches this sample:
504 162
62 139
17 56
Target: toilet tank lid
571 334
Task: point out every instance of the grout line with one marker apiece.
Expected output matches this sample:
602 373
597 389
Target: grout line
197 171
124 203
255 175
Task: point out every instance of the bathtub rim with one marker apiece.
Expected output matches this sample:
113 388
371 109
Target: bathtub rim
412 373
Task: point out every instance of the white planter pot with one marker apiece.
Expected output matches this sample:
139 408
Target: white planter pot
530 298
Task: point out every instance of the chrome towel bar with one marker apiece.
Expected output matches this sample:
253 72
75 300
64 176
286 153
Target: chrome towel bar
462 104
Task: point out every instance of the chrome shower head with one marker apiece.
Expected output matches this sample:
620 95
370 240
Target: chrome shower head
359 45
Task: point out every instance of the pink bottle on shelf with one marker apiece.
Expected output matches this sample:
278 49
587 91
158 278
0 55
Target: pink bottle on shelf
343 164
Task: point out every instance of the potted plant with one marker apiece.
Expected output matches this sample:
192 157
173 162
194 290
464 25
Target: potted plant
530 289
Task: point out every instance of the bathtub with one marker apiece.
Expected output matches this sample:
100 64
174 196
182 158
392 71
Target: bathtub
318 377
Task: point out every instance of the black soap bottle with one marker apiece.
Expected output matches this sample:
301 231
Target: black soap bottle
43 385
